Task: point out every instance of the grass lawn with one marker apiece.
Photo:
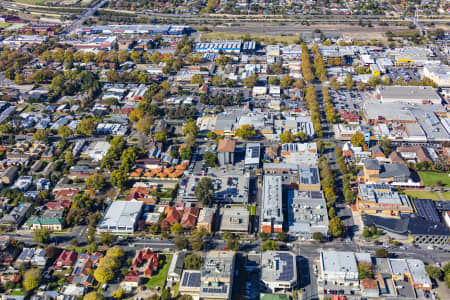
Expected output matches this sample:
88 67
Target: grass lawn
236 36
446 196
432 178
423 195
17 293
33 2
4 25
160 278
30 108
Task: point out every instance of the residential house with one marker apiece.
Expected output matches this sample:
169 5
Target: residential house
17 216
190 216
65 260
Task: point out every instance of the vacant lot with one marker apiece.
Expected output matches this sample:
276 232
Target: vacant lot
434 178
423 195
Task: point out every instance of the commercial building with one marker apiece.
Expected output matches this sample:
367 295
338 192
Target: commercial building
17 41
252 155
439 73
217 275
412 270
300 153
225 152
308 178
17 215
381 199
121 217
409 94
339 268
307 213
228 46
278 270
96 150
272 204
95 43
206 218
235 219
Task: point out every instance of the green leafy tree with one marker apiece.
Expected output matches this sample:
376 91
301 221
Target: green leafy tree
96 182
336 227
286 81
434 272
216 80
6 128
176 228
41 135
115 251
41 235
86 127
245 132
264 235
64 131
210 159
186 153
31 279
193 262
118 294
211 135
348 81
110 262
119 178
250 81
144 124
270 245
381 252
103 274
365 270
273 80
93 296
318 236
286 137
282 236
196 243
181 242
204 191
161 137
107 239
357 139
190 128
197 78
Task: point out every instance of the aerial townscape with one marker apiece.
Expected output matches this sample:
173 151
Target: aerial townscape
224 149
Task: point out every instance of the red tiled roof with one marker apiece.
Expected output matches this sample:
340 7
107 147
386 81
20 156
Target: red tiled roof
190 216
226 146
172 215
